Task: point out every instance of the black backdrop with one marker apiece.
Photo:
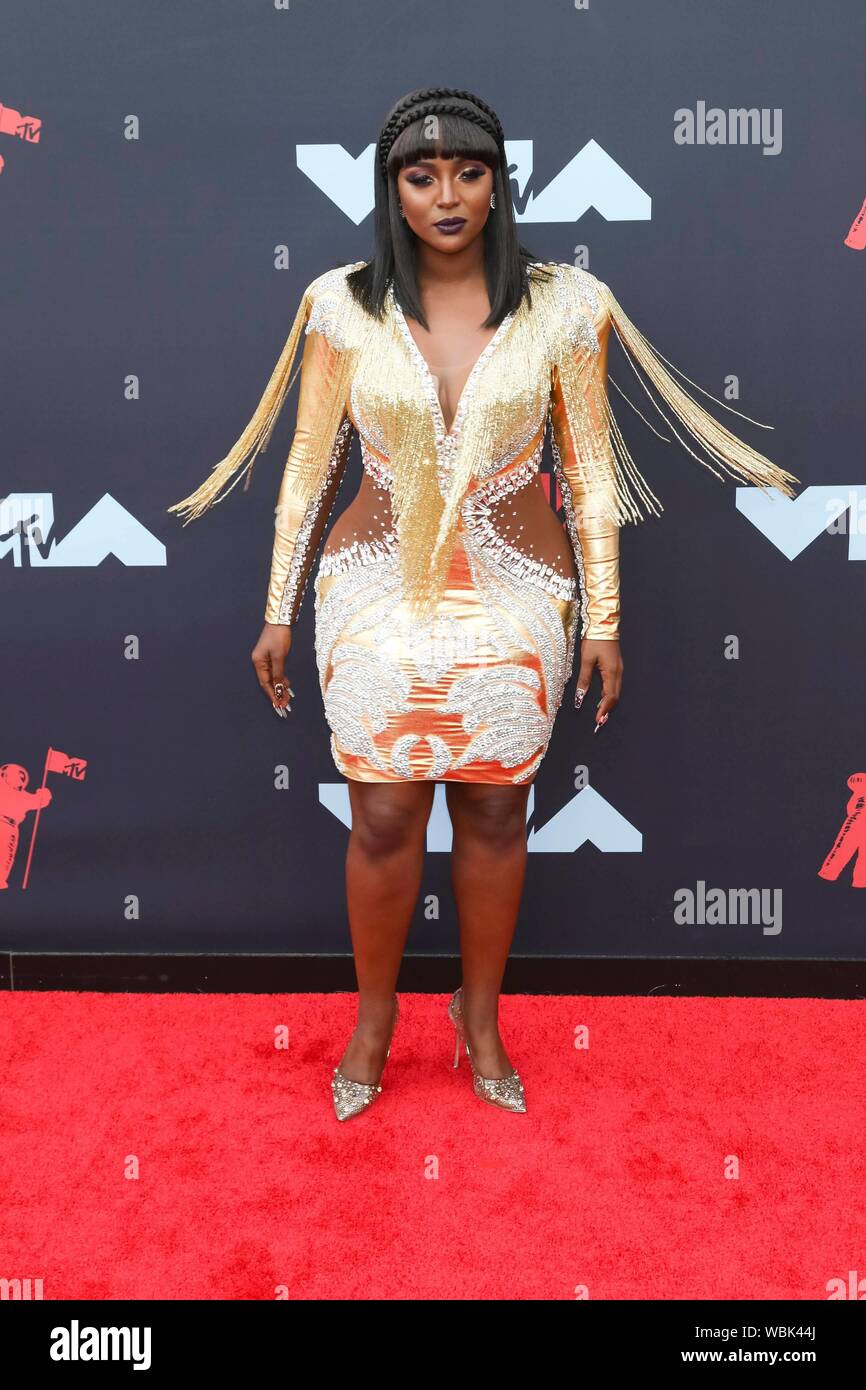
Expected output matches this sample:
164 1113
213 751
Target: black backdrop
177 187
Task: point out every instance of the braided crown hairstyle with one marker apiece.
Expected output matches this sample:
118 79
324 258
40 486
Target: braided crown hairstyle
467 128
436 101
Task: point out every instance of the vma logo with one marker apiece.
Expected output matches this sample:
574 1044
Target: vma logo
27 520
592 179
793 523
586 819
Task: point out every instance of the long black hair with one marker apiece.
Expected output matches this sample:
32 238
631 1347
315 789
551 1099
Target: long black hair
465 128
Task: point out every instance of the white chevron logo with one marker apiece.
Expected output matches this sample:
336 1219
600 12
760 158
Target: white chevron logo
586 819
792 523
591 179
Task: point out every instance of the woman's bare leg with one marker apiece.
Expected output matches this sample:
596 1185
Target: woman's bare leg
488 868
384 862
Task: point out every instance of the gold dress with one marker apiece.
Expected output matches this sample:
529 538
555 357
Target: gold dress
448 597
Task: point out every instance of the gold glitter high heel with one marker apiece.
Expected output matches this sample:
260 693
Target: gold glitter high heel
351 1097
505 1091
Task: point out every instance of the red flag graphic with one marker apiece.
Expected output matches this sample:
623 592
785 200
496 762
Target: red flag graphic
55 761
61 762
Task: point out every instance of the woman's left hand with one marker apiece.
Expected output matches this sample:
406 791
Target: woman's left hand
603 652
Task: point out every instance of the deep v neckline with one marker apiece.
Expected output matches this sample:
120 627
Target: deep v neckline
427 376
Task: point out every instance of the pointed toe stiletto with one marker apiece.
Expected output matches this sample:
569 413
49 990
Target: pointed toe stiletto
351 1097
505 1091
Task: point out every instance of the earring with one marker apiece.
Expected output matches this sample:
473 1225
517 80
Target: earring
402 213
493 200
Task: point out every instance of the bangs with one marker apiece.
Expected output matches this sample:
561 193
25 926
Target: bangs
456 138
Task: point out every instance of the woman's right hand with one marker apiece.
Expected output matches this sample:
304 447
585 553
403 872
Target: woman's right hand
269 659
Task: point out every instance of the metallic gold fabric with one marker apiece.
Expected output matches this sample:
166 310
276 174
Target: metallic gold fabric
588 519
300 513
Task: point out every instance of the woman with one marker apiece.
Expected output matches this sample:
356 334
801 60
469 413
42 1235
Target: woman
448 596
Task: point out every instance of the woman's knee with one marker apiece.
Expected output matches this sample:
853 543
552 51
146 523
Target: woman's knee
386 821
496 815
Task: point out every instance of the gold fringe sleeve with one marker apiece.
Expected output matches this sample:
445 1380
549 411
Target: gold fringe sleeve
606 466
594 536
317 457
311 478
242 455
322 423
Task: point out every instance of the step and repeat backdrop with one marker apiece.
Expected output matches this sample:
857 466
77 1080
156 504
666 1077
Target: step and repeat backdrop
171 178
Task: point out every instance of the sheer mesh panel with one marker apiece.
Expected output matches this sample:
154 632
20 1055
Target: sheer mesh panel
526 520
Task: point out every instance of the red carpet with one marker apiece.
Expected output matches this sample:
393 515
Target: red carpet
615 1179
